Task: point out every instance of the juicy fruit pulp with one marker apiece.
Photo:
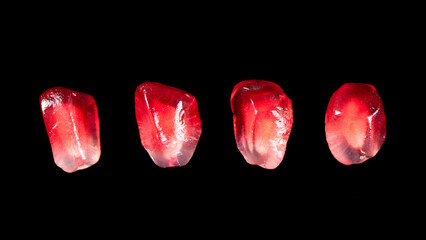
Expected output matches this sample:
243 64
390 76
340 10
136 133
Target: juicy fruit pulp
169 123
355 123
72 123
263 118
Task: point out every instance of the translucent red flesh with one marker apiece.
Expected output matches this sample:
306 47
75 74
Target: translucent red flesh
72 124
355 123
263 118
169 123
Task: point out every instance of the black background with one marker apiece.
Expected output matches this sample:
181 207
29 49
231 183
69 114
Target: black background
309 59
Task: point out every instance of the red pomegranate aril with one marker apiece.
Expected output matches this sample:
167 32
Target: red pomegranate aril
355 123
263 118
72 123
169 123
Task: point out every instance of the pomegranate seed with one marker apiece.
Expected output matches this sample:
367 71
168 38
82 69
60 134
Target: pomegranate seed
72 123
263 118
169 123
355 124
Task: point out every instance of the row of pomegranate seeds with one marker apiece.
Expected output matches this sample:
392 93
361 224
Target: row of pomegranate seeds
170 125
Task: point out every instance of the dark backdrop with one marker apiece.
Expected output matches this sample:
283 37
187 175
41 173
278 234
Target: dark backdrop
309 61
